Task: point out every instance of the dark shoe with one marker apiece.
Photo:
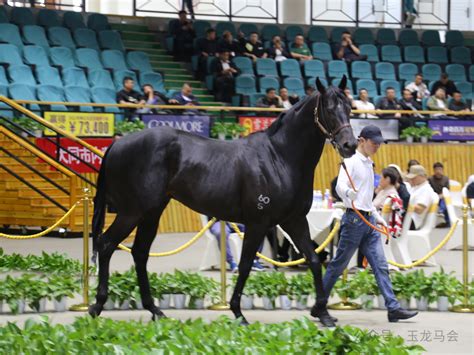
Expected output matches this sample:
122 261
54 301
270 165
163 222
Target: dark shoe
326 319
395 316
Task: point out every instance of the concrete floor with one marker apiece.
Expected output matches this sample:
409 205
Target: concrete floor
438 332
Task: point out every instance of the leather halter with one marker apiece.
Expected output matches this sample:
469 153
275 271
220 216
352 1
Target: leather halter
330 135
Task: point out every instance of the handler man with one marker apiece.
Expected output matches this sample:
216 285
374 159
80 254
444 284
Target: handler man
354 232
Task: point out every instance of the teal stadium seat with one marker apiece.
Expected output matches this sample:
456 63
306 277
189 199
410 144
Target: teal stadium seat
267 82
322 51
295 86
337 68
269 31
221 27
114 59
101 78
111 39
248 28
460 55
336 34
3 76
370 51
253 98
290 67
363 35
408 37
368 85
35 35
154 79
10 34
244 64
312 82
88 58
317 34
431 72
24 92
53 94
62 56
456 72
22 16
454 38
3 15
407 71
79 94
47 75
384 71
266 67
98 22
105 96
314 68
48 18
60 37
361 70
10 54
120 74
438 55
385 84
465 88
391 53
471 72
430 38
245 85
414 54
336 82
73 20
386 36
75 77
138 60
200 27
292 31
86 38
5 110
21 74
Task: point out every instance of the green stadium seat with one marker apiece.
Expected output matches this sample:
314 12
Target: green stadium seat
60 37
267 82
114 59
73 20
336 34
465 88
221 27
101 78
408 37
431 72
414 54
253 98
10 34
368 85
62 56
266 67
337 81
269 31
292 31
154 79
370 51
454 38
88 58
22 16
460 55
5 110
437 55
75 77
120 74
295 86
407 71
363 35
86 38
385 71
200 27
361 70
48 18
471 72
3 15
3 76
98 22
21 74
35 55
313 69
385 84
337 68
10 54
317 34
138 60
111 39
79 94
36 35
456 72
244 64
105 96
430 38
47 75
245 85
312 82
391 53
386 36
53 94
322 51
290 67
24 92
248 28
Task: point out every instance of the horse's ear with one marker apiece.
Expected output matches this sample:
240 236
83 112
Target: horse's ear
320 86
343 83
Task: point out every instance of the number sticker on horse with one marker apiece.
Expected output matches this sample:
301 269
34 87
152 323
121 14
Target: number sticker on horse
263 200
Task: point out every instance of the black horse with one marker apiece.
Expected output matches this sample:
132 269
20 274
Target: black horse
260 181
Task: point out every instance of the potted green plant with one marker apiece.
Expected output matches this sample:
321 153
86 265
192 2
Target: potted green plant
401 288
266 287
365 285
285 300
425 133
299 287
422 290
179 289
444 288
198 287
126 127
29 125
235 130
162 288
37 295
249 292
219 130
410 134
60 287
14 294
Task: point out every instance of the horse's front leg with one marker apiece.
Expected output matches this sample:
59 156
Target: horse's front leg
254 235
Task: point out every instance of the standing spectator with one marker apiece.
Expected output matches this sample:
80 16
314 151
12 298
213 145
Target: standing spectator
152 97
186 97
409 12
129 96
228 44
206 47
278 52
270 100
438 102
421 195
458 104
189 5
252 48
347 50
444 83
389 102
286 100
418 88
299 50
409 103
364 104
225 72
183 33
437 181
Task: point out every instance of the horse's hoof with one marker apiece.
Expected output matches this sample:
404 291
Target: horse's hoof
158 316
95 310
244 322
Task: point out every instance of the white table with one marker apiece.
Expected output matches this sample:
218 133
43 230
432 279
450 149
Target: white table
319 220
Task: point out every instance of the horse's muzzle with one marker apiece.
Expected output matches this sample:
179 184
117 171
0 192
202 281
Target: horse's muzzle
347 149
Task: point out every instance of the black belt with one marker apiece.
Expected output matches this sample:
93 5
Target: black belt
364 213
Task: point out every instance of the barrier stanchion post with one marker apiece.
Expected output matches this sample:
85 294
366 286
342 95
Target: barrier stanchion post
465 307
344 305
83 307
222 305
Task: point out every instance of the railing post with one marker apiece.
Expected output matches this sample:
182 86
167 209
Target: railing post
222 305
344 305
72 200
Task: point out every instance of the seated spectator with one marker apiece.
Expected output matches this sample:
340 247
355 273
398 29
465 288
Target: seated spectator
299 50
225 72
437 181
389 102
348 94
309 90
278 52
206 47
402 189
287 101
186 97
446 84
347 50
270 100
438 102
418 88
364 104
129 96
409 103
458 104
228 44
152 97
183 34
252 48
421 195
386 188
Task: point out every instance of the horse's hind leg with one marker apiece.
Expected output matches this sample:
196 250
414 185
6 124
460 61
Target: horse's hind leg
121 227
141 247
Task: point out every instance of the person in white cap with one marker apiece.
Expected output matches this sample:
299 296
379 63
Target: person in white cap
422 194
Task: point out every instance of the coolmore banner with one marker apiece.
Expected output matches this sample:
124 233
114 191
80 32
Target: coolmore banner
389 128
189 123
452 130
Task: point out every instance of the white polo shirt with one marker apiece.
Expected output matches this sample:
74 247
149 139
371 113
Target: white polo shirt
421 194
361 170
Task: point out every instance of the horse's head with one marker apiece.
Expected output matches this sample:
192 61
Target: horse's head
331 115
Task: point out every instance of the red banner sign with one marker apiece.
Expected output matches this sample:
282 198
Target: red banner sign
255 123
83 153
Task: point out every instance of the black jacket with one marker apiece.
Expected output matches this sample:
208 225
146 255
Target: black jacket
272 52
218 68
449 87
205 45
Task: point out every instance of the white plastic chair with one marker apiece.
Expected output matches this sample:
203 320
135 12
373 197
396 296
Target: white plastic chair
211 256
455 242
455 188
387 248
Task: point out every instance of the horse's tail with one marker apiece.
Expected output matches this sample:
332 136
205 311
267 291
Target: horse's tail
98 218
